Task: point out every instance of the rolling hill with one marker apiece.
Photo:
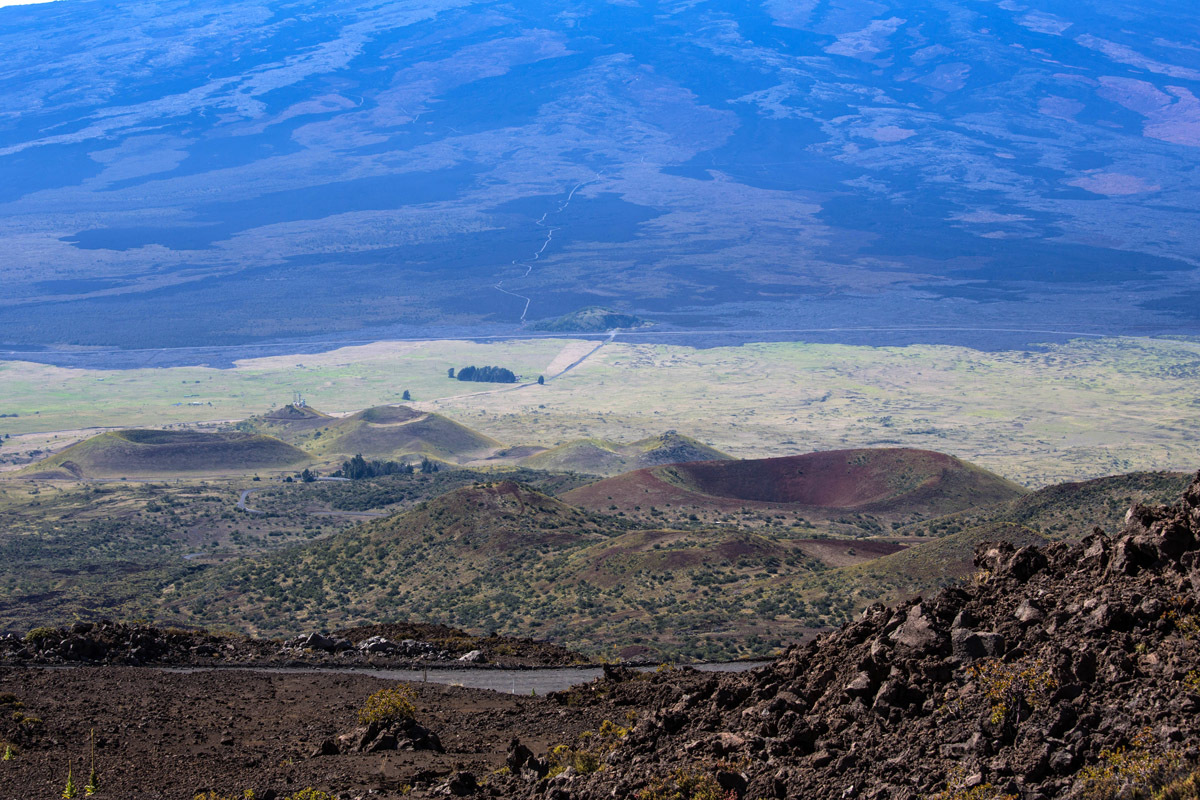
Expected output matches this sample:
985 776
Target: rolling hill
502 557
602 457
1067 510
397 432
288 421
143 452
888 483
922 569
383 432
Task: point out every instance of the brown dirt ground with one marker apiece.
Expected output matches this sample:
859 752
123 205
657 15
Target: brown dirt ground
174 735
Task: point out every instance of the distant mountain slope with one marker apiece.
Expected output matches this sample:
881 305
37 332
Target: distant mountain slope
602 457
894 482
142 452
460 167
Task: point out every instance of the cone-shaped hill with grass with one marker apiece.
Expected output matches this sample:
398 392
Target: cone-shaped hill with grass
602 457
143 453
383 432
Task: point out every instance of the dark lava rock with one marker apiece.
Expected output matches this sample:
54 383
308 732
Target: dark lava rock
376 737
462 784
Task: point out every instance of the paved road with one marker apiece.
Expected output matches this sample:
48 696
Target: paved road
241 503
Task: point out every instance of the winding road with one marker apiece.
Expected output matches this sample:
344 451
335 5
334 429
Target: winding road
241 503
499 285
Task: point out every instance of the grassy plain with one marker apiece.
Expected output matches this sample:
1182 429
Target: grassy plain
1066 412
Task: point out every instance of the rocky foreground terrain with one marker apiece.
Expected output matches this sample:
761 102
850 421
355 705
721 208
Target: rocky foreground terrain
1065 671
395 645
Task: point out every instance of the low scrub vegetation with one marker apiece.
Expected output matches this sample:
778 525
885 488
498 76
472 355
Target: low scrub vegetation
687 783
1013 689
1141 770
388 706
587 755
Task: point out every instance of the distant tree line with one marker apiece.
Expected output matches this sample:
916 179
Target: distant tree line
358 468
485 374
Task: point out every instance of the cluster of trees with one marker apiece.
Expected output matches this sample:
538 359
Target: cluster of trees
484 374
358 468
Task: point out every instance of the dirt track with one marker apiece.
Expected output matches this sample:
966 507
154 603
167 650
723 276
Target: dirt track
174 735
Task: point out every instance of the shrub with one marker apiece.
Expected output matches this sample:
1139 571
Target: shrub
71 790
388 705
956 789
686 784
1013 688
38 635
26 721
588 755
1131 772
1186 788
1186 624
310 794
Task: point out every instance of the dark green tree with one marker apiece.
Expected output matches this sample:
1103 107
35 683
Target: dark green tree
487 374
406 395
358 468
541 380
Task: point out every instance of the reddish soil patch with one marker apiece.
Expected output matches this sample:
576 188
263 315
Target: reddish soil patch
882 480
843 552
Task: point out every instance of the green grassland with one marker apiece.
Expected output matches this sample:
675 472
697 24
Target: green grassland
1066 412
341 381
1074 411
